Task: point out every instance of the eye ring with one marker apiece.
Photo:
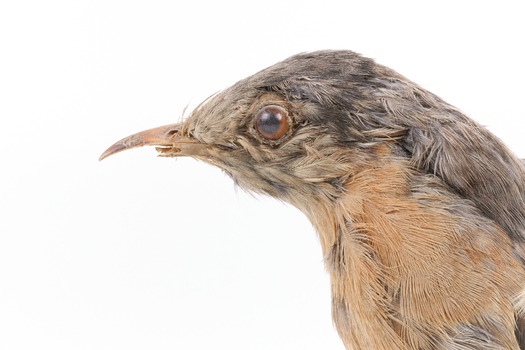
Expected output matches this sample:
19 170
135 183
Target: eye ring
271 122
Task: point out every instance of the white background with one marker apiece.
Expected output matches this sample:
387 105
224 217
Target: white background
139 252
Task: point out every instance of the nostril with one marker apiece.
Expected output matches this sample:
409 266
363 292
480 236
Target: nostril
172 133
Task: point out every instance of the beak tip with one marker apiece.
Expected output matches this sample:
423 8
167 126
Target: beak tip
117 147
102 156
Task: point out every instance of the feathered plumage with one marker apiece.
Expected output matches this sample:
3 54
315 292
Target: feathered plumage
420 211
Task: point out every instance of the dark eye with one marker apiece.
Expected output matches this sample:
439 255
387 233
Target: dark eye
271 122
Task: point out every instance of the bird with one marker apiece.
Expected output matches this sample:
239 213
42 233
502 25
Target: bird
420 211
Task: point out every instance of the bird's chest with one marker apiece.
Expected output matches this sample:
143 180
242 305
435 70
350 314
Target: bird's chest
410 267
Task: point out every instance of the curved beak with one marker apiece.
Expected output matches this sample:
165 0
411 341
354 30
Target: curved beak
167 137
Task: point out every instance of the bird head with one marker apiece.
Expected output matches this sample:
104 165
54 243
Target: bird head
404 190
295 131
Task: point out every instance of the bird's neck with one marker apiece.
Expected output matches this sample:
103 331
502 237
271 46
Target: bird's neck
348 230
382 235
